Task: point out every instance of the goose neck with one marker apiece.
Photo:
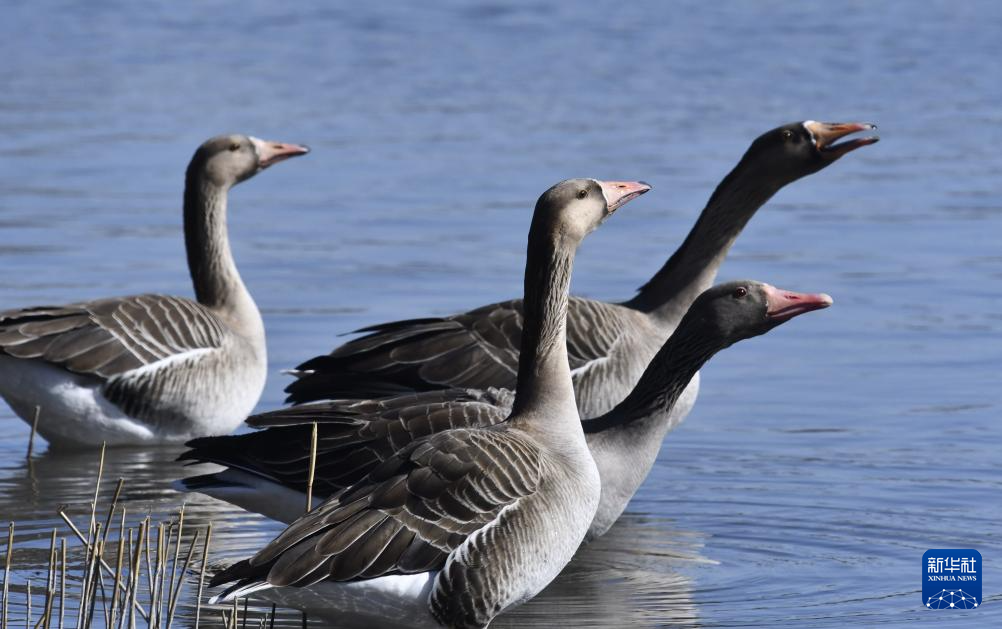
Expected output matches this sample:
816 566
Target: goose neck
662 383
544 379
693 267
214 274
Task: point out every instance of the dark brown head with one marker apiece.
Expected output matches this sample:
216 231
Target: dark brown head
796 150
226 160
573 208
739 310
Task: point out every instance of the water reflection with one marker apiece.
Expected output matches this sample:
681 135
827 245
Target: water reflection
628 578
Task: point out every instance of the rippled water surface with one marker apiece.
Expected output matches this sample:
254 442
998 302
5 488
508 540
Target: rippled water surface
820 462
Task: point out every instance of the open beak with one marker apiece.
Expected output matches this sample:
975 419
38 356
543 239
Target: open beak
269 153
783 305
618 193
825 135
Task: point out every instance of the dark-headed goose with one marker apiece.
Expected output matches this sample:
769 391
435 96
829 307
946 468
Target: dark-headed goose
609 344
151 368
454 529
268 469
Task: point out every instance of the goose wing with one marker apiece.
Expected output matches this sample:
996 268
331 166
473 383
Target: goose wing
108 337
138 348
476 350
353 437
406 517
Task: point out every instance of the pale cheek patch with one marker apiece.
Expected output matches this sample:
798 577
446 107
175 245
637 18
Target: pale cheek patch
807 127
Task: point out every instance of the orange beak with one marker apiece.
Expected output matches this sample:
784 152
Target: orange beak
826 133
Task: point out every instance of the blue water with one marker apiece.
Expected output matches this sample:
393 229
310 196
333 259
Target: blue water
820 462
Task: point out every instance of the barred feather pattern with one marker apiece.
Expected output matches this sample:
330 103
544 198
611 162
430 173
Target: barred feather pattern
354 437
608 348
156 357
416 508
483 507
108 337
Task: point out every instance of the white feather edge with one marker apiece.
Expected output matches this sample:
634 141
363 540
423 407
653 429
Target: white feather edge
405 595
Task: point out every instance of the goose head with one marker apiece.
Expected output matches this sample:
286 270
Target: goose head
796 150
735 311
226 160
573 208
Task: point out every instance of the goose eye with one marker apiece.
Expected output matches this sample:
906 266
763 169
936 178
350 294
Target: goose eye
787 134
740 292
235 146
582 194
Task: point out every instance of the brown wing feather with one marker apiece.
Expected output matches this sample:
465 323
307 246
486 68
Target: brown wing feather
353 437
476 350
440 490
108 337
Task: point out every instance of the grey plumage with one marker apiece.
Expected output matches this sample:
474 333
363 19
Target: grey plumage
149 368
609 344
473 350
492 513
408 516
442 487
356 437
108 337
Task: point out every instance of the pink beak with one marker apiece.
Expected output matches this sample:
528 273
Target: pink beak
269 153
784 304
618 193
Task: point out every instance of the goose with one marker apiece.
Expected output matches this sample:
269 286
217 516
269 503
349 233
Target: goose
609 344
456 528
267 470
150 369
